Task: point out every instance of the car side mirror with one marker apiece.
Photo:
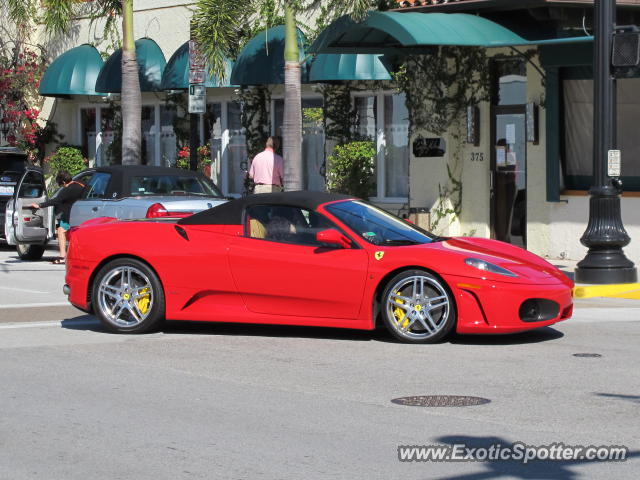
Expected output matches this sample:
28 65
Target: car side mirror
333 237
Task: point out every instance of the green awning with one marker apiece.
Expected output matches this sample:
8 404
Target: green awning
261 62
392 32
72 73
176 73
151 63
328 67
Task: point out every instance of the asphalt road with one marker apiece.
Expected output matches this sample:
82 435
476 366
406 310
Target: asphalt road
240 401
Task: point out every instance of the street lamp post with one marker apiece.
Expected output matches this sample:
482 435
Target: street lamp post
605 262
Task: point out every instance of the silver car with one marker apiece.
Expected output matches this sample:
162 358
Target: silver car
132 191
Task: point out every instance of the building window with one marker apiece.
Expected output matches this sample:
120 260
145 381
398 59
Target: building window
384 119
168 146
105 150
366 117
577 160
88 134
236 150
147 149
509 81
212 135
312 140
396 149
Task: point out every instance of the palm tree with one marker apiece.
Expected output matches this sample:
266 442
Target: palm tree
220 23
58 15
292 122
130 96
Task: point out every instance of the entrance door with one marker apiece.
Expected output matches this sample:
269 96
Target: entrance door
509 175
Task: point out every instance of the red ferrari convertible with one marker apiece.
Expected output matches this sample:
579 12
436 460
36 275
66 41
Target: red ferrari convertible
304 258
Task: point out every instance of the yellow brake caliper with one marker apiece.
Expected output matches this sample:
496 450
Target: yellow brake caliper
143 300
400 314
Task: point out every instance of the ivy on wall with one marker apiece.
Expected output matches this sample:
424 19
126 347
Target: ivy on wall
438 88
448 207
256 120
339 113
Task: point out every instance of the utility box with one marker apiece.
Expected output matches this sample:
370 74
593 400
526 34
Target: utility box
421 217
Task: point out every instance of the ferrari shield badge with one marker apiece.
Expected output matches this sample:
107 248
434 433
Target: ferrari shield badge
379 255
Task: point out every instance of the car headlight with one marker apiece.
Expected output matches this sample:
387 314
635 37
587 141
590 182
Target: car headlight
488 267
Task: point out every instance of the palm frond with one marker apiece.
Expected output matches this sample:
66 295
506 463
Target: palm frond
57 16
219 27
19 12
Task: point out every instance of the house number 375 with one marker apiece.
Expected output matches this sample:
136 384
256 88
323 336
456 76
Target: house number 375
477 157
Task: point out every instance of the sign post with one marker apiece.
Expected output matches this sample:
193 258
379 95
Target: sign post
197 100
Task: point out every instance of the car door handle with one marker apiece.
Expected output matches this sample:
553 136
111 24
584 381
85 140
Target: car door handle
94 209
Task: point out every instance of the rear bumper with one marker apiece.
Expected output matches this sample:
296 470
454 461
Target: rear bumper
77 285
486 307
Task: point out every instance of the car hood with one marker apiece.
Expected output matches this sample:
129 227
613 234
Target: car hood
528 267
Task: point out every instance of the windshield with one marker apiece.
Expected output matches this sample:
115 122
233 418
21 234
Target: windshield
10 177
377 226
173 185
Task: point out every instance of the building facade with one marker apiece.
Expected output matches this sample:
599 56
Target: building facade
517 169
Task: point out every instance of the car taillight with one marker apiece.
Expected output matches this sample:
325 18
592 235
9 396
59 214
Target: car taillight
157 210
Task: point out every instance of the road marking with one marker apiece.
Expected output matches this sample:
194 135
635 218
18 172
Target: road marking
53 323
22 290
624 290
34 305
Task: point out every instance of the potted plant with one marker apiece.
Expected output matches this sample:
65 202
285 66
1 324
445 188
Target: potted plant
204 159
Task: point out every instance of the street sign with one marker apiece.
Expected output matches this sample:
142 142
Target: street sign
197 91
196 60
197 99
196 76
614 164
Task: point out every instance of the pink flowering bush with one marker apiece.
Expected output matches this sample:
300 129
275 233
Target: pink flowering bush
20 76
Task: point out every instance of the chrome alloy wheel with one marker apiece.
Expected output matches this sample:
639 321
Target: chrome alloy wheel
125 296
418 307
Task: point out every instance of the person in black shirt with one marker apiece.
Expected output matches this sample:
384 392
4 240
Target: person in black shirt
62 202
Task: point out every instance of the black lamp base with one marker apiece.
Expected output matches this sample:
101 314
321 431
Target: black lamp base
606 267
606 276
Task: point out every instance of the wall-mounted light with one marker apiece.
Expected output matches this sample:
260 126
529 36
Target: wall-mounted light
532 123
473 125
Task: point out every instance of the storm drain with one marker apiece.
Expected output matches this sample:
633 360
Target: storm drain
440 401
587 355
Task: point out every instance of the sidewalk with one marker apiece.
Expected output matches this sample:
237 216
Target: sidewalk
596 306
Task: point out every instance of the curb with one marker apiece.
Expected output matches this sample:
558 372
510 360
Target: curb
624 290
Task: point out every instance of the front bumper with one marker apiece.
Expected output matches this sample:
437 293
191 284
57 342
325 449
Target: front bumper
494 307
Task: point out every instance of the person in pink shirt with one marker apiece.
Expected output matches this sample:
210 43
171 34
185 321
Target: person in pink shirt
267 169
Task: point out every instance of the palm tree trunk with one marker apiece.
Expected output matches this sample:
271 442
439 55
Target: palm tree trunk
292 124
130 97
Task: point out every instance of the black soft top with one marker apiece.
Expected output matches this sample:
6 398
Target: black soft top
121 176
230 213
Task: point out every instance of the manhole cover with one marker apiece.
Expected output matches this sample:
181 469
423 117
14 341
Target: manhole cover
440 401
587 355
